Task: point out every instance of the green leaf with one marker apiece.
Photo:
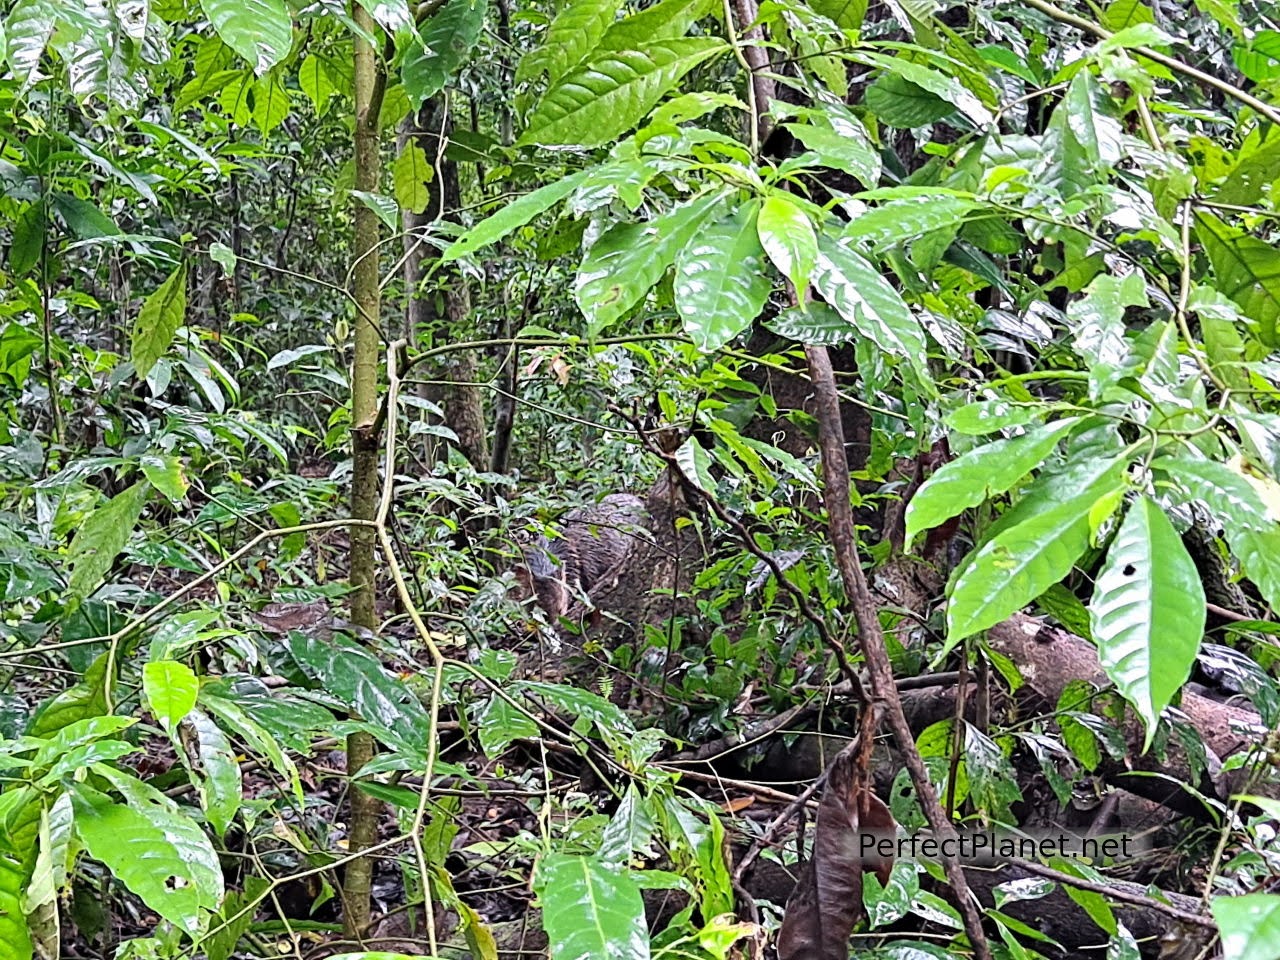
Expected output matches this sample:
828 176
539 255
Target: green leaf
238 720
608 94
446 42
499 722
385 207
103 535
846 14
897 102
788 237
392 15
1024 559
166 474
1249 925
1251 532
1147 613
721 283
159 853
261 31
513 215
161 315
987 416
28 25
572 36
590 910
28 240
666 19
1126 13
630 258
815 322
1247 270
848 149
270 104
411 174
84 218
908 218
865 299
13 923
40 902
315 81
983 472
235 918
207 753
171 690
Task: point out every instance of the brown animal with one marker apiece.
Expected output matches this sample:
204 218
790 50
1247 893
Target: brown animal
595 539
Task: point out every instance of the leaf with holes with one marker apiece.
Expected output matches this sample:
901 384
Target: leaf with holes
261 31
1147 613
590 910
721 282
608 94
160 854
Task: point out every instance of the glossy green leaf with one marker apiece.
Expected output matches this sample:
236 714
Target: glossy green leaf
446 42
513 215
590 910
983 472
382 205
788 237
630 258
1251 532
237 719
1022 561
28 26
270 104
14 933
261 31
166 474
908 218
865 299
666 19
721 284
95 545
572 36
987 416
1147 613
849 149
161 315
1247 270
315 81
410 175
27 243
611 92
159 853
897 102
170 688
1249 926
846 14
392 15
208 754
1120 14
499 723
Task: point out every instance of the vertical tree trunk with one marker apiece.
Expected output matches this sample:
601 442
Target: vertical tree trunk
369 86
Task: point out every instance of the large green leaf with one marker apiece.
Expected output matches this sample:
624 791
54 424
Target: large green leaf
171 689
27 27
103 535
981 473
630 258
1247 270
447 40
910 92
1249 926
207 752
590 910
608 94
236 718
161 315
908 218
847 148
788 237
1024 559
159 853
864 298
1252 533
13 924
410 175
665 20
573 34
1147 613
515 214
261 31
721 282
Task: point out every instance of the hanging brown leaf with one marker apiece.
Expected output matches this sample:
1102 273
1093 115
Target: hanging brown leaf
827 901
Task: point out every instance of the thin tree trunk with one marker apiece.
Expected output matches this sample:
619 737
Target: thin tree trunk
369 88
